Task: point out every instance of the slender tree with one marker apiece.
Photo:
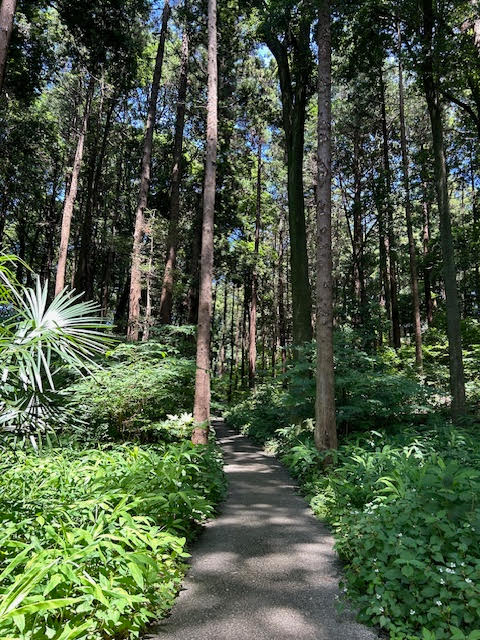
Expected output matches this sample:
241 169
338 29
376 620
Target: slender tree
432 94
408 212
325 424
252 337
71 194
166 299
201 409
7 13
133 328
293 57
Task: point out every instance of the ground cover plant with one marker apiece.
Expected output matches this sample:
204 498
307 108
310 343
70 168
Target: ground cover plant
93 539
405 511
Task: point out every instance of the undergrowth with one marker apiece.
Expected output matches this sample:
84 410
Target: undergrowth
93 540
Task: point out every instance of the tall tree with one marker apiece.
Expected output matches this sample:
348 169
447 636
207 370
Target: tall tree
325 424
201 408
286 31
71 194
408 212
429 72
7 13
133 328
252 345
166 299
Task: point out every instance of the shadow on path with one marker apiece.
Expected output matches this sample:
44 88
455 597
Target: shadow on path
265 569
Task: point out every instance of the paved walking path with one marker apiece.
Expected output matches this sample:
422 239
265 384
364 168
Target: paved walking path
265 569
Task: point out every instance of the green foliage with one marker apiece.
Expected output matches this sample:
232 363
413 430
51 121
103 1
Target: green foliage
132 397
93 540
369 394
39 341
405 512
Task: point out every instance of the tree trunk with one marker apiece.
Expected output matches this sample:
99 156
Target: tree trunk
252 336
84 275
7 13
293 85
133 329
232 347
147 324
457 380
391 250
325 424
71 194
166 299
282 325
201 409
408 214
358 268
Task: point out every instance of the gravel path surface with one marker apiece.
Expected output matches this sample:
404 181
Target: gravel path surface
265 569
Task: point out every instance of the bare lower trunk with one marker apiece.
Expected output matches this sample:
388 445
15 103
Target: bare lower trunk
201 409
408 215
325 424
252 337
166 299
457 379
7 13
71 194
147 323
133 329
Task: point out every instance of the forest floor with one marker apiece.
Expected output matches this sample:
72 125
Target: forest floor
265 569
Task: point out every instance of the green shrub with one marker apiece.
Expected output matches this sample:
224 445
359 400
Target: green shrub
405 512
93 541
368 395
140 386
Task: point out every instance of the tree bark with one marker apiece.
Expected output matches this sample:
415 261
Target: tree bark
408 214
147 324
201 409
133 329
7 14
71 194
325 424
166 300
252 336
432 94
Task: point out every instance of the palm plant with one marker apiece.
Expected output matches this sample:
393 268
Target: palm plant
39 342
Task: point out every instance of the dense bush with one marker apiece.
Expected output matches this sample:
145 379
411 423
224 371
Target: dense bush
92 541
368 395
139 386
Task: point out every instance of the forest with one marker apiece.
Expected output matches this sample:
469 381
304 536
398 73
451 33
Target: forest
235 235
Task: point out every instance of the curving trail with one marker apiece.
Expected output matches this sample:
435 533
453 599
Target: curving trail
265 569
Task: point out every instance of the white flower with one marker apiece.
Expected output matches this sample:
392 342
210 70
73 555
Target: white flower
399 535
412 612
468 581
452 564
379 597
440 569
442 581
462 564
449 570
381 609
376 570
438 603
